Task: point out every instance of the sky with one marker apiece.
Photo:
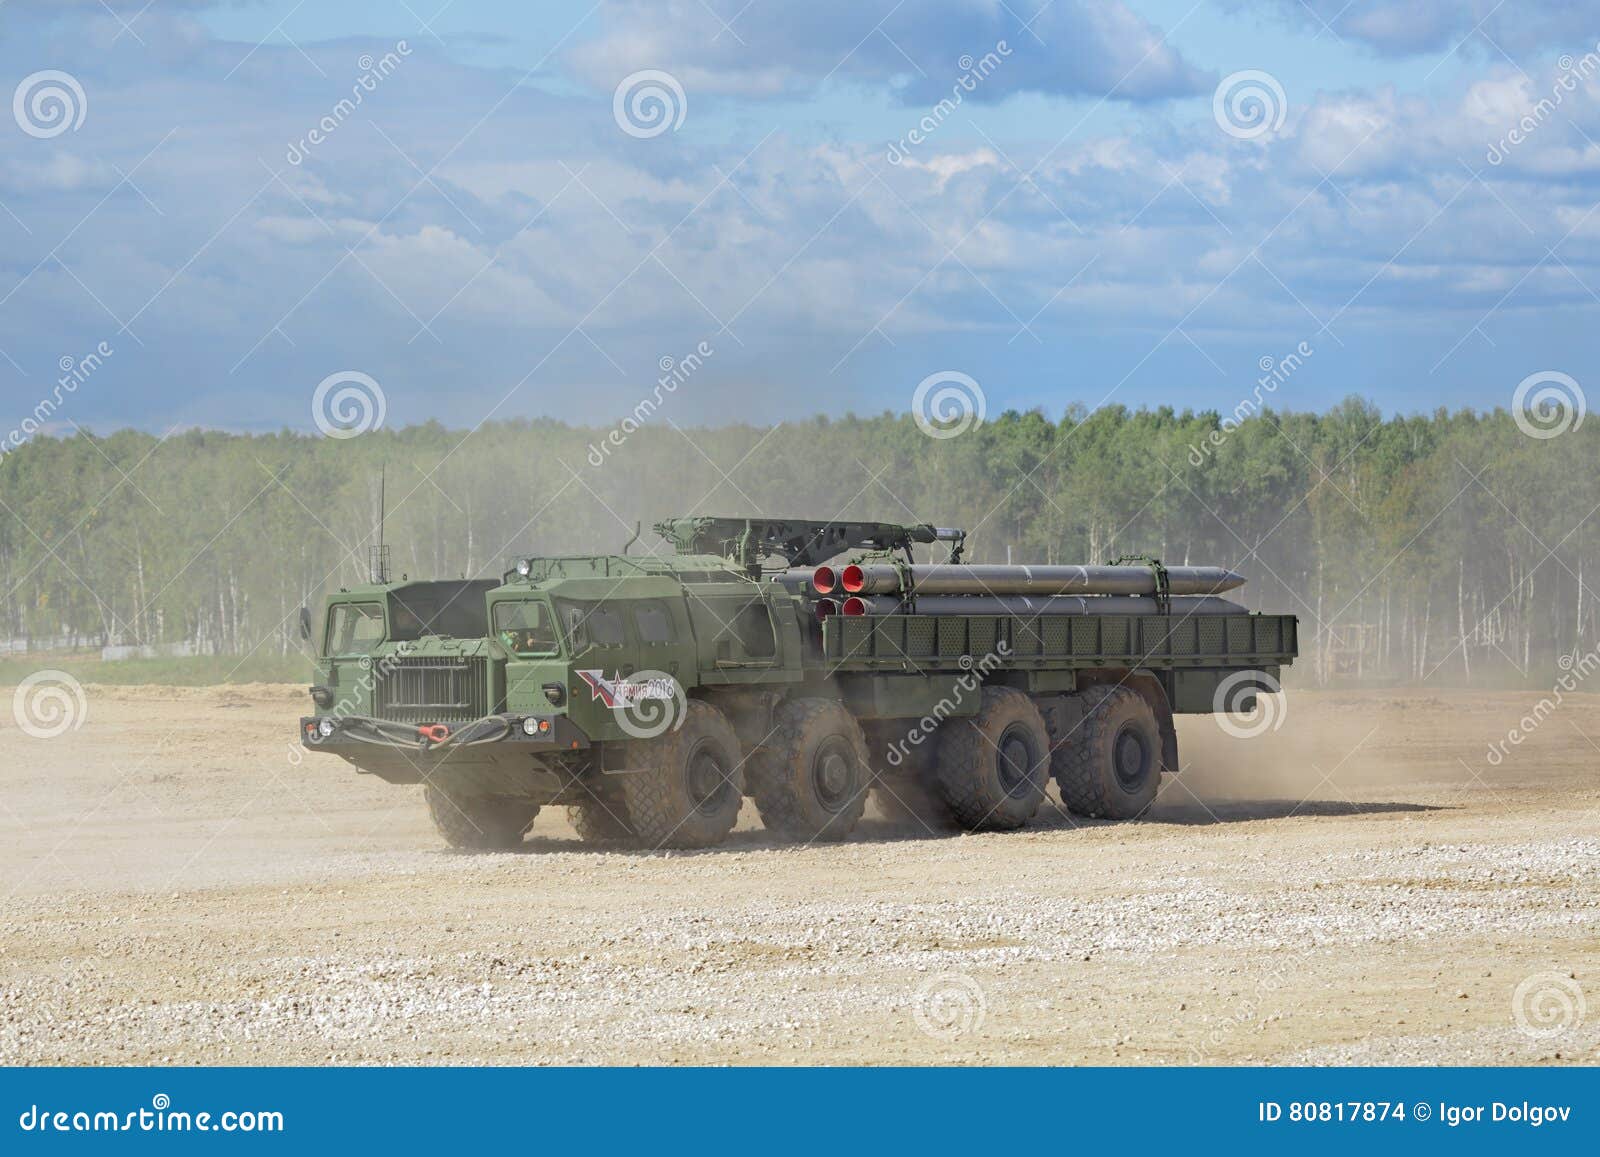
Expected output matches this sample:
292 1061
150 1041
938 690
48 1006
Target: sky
230 215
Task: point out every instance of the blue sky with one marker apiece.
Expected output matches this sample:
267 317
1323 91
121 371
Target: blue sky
483 237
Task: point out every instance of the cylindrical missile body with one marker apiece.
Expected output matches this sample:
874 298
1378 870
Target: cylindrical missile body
1030 606
999 579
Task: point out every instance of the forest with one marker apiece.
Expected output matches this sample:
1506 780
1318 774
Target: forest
1445 548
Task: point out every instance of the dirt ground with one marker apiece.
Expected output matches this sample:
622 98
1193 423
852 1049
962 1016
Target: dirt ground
1362 885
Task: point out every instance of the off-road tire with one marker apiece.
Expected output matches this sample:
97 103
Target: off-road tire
658 787
811 775
479 822
601 819
1086 764
994 767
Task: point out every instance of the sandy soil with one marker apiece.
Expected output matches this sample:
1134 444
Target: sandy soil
1361 885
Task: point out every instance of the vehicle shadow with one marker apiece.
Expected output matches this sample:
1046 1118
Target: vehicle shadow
1243 811
1051 818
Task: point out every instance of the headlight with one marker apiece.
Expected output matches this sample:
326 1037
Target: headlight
530 726
325 728
524 566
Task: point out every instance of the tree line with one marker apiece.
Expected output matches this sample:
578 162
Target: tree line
1444 547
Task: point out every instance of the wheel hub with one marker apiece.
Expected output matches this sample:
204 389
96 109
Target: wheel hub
706 780
1130 758
1016 762
833 777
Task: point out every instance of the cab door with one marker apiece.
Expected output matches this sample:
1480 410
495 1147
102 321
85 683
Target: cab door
526 628
604 655
665 642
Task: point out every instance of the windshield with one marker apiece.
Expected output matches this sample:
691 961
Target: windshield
354 628
451 610
527 628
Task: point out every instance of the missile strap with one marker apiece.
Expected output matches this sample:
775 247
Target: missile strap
1163 594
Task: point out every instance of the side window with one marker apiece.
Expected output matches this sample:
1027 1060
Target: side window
605 627
526 627
571 616
353 628
652 622
592 626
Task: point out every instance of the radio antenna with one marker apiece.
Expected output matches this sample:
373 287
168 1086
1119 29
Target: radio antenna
378 556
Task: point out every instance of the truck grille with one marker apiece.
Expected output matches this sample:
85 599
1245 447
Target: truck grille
434 690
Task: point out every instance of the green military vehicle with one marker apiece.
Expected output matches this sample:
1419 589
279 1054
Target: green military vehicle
651 695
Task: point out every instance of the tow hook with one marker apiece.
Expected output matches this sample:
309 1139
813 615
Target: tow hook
434 732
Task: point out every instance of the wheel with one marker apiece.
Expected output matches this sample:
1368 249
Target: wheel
600 819
683 789
810 777
1110 767
480 822
993 767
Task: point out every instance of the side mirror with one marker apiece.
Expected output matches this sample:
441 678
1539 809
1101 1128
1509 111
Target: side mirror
305 623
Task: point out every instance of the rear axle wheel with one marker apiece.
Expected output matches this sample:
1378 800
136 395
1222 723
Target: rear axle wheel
1110 766
993 767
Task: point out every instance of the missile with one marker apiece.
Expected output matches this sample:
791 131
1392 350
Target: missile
997 579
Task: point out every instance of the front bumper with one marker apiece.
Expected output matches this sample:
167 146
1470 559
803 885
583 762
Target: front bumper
354 733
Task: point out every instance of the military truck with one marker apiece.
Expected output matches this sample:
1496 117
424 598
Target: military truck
651 694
